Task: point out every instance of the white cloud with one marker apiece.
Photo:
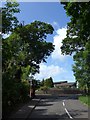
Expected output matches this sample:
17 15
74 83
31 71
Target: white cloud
54 70
60 35
49 71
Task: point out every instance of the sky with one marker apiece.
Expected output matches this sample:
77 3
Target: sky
58 66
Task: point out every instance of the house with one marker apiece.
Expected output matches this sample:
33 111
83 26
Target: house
65 84
57 84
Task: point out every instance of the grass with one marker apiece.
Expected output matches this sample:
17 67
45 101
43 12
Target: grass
85 99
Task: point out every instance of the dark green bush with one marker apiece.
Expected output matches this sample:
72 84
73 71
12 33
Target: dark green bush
13 93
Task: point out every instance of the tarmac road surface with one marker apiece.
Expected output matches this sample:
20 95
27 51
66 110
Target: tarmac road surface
59 108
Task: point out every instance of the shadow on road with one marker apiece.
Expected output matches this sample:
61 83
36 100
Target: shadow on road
41 116
61 97
76 113
63 116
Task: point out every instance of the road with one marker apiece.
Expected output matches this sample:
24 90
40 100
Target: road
59 108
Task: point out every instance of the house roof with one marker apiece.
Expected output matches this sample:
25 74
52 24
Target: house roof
65 83
60 82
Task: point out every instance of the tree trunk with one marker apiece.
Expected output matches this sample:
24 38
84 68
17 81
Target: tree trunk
32 92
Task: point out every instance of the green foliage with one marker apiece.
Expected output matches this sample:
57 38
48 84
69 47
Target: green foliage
35 84
42 83
9 21
78 29
23 51
25 72
48 82
38 84
13 93
43 88
82 69
77 40
85 100
34 36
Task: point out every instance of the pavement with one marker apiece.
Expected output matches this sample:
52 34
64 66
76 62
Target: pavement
25 110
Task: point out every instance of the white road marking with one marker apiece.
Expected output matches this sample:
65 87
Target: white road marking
63 104
67 111
68 114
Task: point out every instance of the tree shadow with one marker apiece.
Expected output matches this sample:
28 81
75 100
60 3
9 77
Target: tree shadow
42 115
43 104
60 97
53 116
76 113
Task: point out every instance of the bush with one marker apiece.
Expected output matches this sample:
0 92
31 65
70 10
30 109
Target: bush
44 89
13 93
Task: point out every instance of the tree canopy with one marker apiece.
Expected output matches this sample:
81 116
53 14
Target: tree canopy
78 30
77 40
27 46
48 82
23 51
9 20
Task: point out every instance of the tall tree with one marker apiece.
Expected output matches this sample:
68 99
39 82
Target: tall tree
78 30
9 20
27 46
23 51
78 37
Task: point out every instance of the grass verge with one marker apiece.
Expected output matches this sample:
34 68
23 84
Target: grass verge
85 99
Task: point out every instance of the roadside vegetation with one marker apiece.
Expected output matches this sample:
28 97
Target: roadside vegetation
45 85
77 41
85 99
24 48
